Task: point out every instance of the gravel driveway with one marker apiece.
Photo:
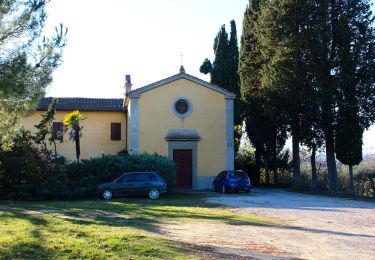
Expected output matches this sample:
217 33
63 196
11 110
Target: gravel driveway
317 227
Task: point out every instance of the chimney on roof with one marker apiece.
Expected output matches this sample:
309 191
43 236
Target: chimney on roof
128 84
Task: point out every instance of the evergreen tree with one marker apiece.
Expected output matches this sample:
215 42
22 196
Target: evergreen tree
46 132
345 75
325 54
349 131
283 28
264 104
26 62
234 84
295 72
250 63
349 135
206 66
224 73
354 37
219 73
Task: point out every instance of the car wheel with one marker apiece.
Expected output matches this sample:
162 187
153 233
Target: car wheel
107 194
213 188
223 189
154 194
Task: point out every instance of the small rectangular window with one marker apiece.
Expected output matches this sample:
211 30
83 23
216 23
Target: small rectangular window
58 130
116 131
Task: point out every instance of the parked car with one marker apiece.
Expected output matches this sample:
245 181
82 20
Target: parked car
134 183
235 181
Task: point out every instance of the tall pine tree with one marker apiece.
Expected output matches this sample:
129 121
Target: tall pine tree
27 61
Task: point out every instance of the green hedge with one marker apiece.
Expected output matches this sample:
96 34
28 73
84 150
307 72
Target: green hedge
29 178
85 176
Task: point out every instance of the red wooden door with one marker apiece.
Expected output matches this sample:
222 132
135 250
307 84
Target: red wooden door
184 173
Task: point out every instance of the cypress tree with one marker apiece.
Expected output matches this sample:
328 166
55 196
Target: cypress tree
249 66
349 135
280 27
354 36
219 73
295 72
345 74
349 131
234 84
224 73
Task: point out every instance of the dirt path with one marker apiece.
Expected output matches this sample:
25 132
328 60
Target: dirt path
318 227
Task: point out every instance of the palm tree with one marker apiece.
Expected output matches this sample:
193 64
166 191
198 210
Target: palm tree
73 119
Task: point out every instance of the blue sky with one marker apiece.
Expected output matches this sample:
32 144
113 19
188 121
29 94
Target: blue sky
108 39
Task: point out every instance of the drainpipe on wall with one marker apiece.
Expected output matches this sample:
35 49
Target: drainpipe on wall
126 129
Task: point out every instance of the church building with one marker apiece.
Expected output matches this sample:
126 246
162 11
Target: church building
182 117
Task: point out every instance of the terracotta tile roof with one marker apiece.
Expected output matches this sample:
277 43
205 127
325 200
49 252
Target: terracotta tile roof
84 104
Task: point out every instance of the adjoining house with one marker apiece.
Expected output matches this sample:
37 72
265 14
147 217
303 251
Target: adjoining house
182 117
103 127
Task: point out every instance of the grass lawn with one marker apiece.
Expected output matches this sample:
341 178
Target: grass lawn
97 229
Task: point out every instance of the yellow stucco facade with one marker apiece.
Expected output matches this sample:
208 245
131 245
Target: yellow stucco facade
156 117
200 139
96 133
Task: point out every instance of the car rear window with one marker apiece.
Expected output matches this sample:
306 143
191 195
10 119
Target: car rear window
237 174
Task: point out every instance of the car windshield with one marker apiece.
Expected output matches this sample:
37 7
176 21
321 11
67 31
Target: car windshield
237 174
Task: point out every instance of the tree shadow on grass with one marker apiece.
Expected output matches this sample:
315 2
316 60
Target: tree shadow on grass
33 248
148 215
31 245
153 225
22 250
138 213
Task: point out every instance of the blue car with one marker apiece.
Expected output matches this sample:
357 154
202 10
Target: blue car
231 181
